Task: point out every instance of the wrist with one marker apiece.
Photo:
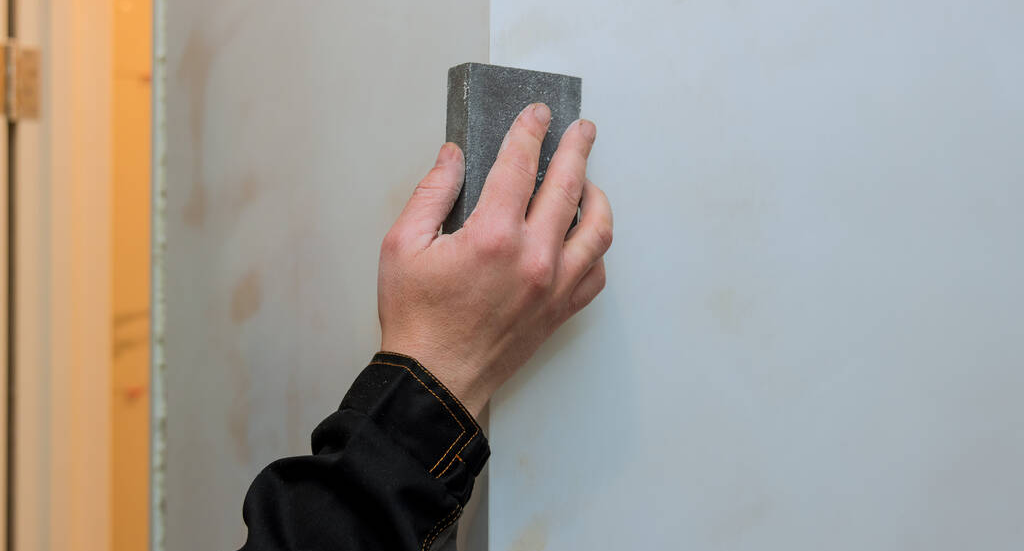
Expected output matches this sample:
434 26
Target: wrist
461 377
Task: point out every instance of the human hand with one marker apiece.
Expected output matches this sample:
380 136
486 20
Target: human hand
474 305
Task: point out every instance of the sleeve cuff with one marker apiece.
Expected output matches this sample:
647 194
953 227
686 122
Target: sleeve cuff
421 415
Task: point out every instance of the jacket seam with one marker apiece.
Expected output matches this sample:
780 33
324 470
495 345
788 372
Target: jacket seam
435 532
438 398
457 402
431 375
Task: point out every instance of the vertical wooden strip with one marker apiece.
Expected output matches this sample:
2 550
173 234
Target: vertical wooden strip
62 274
130 288
5 304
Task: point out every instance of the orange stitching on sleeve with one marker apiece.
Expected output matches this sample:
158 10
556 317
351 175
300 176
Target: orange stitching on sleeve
450 412
450 463
459 403
446 452
424 386
457 453
431 536
431 375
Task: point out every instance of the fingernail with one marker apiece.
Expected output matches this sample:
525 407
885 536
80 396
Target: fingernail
447 153
588 129
541 113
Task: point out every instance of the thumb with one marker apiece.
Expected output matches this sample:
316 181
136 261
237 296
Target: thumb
433 197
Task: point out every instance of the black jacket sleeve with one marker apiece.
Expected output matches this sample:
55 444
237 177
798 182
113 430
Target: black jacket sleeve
390 470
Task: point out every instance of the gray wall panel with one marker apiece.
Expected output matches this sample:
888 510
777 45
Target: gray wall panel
813 331
295 132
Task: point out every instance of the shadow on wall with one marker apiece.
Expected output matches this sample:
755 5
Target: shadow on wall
551 428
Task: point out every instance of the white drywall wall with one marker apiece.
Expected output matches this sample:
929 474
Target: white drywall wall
812 335
813 331
295 132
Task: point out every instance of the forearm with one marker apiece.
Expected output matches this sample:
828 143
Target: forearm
391 469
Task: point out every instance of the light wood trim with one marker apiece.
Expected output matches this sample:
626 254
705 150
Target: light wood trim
4 304
130 289
62 274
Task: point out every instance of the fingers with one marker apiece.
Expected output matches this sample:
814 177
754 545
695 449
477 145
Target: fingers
513 177
557 201
432 199
592 237
587 289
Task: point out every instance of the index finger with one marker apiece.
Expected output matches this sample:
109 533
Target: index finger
512 179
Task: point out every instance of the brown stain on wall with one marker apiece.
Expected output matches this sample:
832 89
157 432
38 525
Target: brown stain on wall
238 410
195 209
729 309
194 72
740 522
525 467
246 297
239 196
247 191
534 537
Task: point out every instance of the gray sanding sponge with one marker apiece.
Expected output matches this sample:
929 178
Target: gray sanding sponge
483 101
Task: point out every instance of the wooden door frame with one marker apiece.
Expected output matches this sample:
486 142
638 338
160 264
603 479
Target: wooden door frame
5 308
61 267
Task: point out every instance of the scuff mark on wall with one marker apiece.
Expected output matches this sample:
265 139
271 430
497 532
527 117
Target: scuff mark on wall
246 297
247 191
730 309
194 70
241 401
534 537
735 525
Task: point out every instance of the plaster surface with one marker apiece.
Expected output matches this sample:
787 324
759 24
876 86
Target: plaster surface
813 331
295 132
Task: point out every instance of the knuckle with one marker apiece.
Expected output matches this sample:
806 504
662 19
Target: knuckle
499 242
604 235
431 186
538 273
569 189
391 244
578 157
582 298
521 164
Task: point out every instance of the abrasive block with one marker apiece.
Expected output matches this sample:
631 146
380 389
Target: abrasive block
483 100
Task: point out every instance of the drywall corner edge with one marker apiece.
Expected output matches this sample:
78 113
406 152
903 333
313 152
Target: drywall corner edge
158 401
